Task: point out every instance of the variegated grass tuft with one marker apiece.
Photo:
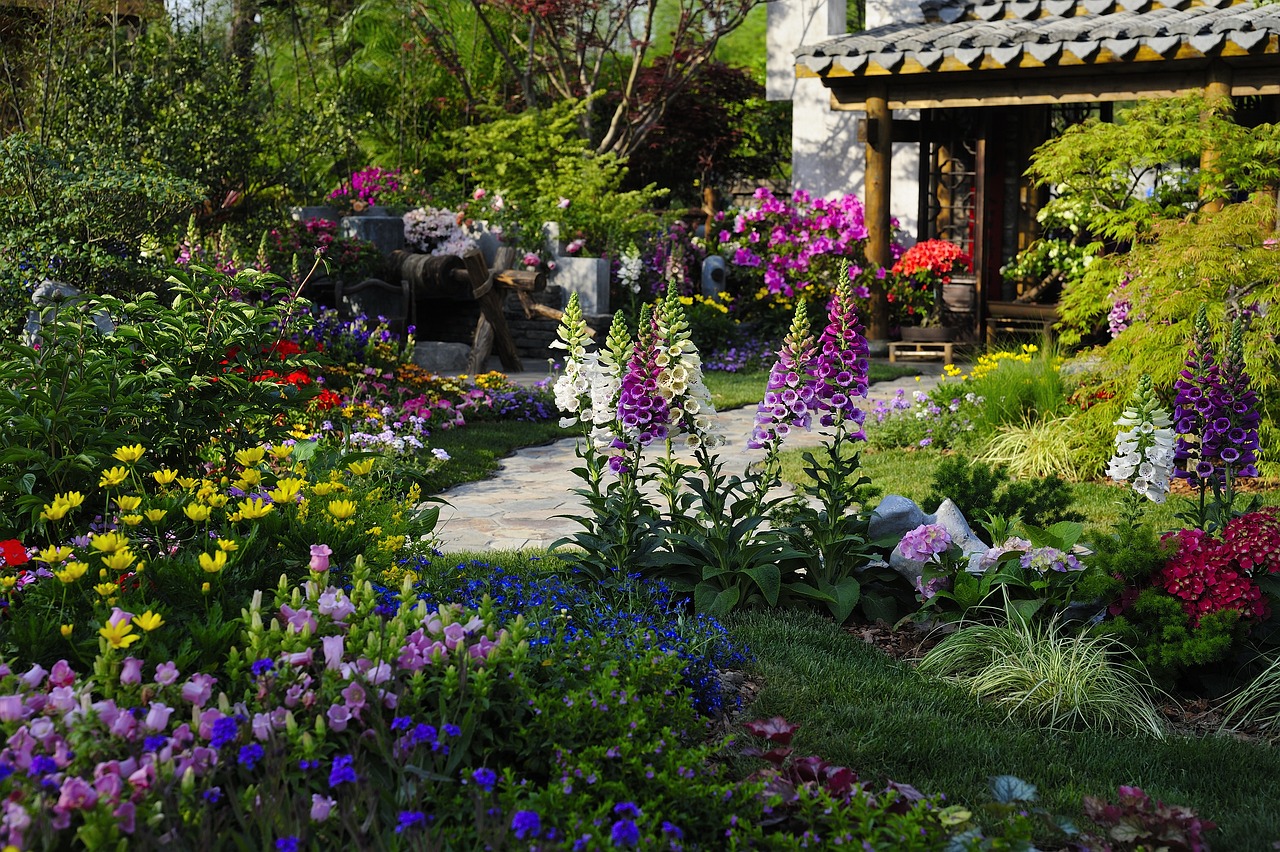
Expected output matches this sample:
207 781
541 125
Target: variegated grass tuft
1057 679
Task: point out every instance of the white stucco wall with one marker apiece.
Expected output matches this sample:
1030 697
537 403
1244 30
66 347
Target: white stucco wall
826 158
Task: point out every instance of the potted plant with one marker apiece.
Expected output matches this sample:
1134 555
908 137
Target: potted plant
915 290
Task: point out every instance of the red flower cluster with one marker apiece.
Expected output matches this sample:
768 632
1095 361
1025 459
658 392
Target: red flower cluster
933 257
1207 577
12 553
326 400
1253 541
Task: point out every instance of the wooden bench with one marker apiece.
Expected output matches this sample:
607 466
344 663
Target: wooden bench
922 349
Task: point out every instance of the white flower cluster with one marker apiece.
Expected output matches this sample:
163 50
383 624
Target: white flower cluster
681 384
630 268
1144 446
437 232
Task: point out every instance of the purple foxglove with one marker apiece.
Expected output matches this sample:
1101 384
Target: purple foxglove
841 364
790 399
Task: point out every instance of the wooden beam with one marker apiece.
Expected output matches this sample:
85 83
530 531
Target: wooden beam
982 89
878 187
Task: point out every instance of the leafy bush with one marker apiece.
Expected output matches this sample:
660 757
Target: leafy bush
80 216
185 371
542 170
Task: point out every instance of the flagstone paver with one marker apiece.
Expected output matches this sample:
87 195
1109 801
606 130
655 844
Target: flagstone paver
518 508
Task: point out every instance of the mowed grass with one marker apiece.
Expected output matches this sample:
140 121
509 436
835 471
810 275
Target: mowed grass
909 472
860 709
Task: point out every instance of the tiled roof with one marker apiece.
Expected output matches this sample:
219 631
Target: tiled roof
959 35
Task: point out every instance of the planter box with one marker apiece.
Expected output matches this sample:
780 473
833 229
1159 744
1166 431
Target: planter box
586 276
934 334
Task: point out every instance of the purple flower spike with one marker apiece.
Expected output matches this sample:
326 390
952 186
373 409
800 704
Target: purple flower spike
842 363
1216 410
791 398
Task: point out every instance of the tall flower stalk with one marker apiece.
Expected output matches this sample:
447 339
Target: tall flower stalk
1144 451
1217 420
824 379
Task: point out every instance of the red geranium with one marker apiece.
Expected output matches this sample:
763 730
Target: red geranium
12 553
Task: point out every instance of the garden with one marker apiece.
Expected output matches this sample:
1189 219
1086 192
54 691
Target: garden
1032 605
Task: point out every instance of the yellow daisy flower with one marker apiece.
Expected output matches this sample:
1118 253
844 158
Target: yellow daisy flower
213 563
129 455
108 542
342 509
228 545
156 515
119 635
255 507
128 502
251 457
74 571
196 512
120 560
52 555
165 476
131 520
148 621
362 467
113 477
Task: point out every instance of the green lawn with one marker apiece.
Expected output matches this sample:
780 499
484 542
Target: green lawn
735 390
860 709
910 473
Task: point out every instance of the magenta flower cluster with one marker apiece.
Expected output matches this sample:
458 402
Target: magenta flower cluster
368 185
1215 414
790 240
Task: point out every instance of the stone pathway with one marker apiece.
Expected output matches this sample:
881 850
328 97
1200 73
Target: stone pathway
518 507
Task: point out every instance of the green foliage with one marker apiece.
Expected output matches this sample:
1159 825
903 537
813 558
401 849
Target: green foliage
1256 705
82 217
1060 680
179 371
538 157
1047 260
1162 636
977 488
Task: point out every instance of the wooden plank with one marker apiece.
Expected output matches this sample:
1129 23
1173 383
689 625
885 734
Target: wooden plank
974 89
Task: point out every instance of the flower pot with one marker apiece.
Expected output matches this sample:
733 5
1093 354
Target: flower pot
933 334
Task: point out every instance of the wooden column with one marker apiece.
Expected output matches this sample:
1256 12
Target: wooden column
1217 95
878 185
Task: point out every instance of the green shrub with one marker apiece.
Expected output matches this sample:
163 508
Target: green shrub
81 216
180 371
978 488
536 159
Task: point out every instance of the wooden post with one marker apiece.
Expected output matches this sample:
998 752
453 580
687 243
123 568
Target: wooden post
1217 95
492 327
879 231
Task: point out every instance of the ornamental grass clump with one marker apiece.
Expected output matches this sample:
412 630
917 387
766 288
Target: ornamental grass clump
1059 680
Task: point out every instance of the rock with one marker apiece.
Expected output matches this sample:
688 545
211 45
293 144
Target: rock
440 357
953 521
385 232
895 516
586 276
46 300
319 211
714 271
